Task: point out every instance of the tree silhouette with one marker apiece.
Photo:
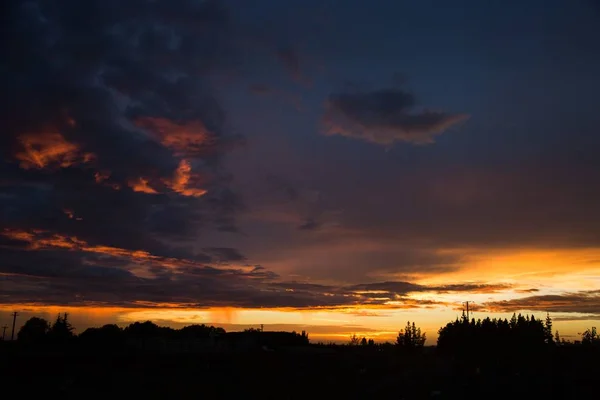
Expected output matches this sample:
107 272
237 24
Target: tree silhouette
548 329
411 337
590 337
61 330
200 332
354 340
35 330
305 337
142 330
107 335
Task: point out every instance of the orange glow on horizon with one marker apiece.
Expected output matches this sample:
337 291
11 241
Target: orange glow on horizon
321 325
375 316
533 267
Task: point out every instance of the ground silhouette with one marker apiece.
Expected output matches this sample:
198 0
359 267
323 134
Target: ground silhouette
518 358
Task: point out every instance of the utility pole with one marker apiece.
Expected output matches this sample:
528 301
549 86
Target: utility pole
4 331
14 314
467 304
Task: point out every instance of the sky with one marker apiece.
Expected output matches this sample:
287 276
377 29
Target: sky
335 166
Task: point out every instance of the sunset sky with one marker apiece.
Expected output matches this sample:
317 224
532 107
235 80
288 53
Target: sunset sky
334 166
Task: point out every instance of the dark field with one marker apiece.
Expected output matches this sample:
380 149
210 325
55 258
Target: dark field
303 373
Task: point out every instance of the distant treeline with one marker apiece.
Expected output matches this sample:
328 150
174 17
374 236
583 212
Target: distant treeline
463 336
522 334
39 331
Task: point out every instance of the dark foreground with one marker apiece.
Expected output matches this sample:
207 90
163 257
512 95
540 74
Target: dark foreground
302 373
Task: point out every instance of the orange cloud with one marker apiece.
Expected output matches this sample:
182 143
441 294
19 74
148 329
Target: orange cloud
141 185
42 150
181 182
100 177
42 240
183 138
182 178
39 240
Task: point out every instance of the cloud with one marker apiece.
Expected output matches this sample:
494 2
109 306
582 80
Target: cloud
123 129
384 117
587 302
183 178
401 288
48 150
192 139
532 290
52 269
112 147
141 185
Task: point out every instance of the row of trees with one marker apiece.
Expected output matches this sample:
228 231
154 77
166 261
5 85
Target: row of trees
408 338
470 336
462 336
524 331
520 333
38 330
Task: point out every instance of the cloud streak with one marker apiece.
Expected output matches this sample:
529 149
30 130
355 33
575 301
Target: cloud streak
384 117
587 302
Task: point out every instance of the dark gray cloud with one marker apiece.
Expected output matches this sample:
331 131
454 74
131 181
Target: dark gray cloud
111 148
384 116
103 96
401 288
587 302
